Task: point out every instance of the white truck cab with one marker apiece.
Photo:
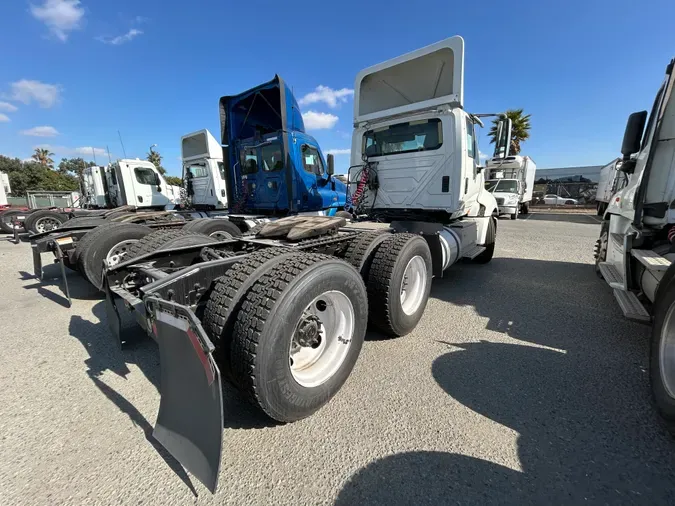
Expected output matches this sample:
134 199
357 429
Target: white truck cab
511 181
138 183
4 188
94 194
414 148
203 170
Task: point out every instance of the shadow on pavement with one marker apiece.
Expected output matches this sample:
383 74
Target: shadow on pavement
583 219
51 285
572 389
105 355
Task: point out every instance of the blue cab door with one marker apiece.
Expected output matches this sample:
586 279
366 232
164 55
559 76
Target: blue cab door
314 190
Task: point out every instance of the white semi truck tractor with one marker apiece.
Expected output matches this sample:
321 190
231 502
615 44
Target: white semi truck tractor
511 181
636 248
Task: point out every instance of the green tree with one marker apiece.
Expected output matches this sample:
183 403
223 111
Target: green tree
31 175
154 157
43 157
520 129
173 180
74 166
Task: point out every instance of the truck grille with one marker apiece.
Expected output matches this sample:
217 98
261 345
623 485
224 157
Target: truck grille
500 201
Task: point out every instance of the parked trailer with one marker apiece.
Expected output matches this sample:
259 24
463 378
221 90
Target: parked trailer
282 315
635 252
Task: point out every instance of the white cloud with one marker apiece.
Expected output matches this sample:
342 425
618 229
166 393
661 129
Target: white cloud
88 151
347 151
3 118
41 131
327 95
483 156
7 107
121 39
27 91
61 16
319 120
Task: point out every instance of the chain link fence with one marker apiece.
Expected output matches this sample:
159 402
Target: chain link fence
568 194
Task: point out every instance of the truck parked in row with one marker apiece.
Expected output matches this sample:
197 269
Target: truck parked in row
636 247
511 181
612 179
4 190
282 315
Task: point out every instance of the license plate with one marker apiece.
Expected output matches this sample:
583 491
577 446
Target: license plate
64 240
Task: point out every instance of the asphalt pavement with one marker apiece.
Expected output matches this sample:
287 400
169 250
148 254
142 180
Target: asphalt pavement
522 384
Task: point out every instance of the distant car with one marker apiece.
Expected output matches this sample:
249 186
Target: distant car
557 200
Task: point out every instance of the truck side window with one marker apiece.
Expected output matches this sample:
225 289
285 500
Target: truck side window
249 161
311 160
271 159
470 143
198 170
145 175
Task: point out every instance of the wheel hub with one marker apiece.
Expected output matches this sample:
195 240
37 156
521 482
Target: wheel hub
46 224
308 332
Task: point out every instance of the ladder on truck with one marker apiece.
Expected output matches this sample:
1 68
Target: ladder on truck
616 275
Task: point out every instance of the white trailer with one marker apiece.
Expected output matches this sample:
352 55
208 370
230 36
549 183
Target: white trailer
635 252
511 181
203 170
611 180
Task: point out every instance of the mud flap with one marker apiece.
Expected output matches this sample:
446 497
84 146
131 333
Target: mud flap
37 261
190 420
112 314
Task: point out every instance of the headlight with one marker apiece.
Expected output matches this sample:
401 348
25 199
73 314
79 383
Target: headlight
513 199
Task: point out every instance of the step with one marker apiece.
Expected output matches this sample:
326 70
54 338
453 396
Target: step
631 307
611 275
651 260
474 252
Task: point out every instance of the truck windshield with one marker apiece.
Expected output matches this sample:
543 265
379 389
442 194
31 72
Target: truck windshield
423 135
501 185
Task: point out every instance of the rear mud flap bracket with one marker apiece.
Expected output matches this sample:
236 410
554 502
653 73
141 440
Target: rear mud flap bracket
190 420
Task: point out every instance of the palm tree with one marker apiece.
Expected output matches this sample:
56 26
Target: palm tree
43 157
154 157
520 129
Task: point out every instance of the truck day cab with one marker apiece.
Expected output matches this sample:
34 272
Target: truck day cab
511 181
636 247
282 315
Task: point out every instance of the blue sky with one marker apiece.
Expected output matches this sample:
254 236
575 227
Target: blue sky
155 69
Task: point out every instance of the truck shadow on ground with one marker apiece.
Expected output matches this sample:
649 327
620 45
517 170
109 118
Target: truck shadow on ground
51 286
572 389
105 355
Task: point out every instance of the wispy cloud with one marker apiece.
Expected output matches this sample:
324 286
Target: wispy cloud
41 131
121 39
7 107
347 151
327 95
86 152
4 118
27 91
319 120
60 16
89 150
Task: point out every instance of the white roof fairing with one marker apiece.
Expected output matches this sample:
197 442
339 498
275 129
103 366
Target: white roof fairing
426 77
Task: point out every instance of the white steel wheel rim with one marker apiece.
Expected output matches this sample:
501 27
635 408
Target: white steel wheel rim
667 352
119 251
46 224
413 285
312 366
221 235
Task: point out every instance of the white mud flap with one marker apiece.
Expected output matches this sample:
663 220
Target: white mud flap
190 420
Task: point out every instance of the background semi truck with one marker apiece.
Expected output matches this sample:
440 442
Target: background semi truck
611 180
511 181
282 315
636 247
4 190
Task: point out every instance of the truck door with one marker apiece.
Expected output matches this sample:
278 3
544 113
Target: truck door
263 176
148 187
201 185
472 184
316 192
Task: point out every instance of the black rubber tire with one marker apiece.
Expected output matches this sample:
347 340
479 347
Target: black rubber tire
514 216
170 238
385 279
525 208
345 215
490 241
227 296
569 203
96 245
267 322
662 399
361 250
209 226
600 248
31 220
116 214
5 216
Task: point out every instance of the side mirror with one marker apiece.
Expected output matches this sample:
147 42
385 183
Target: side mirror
331 164
633 134
503 139
159 188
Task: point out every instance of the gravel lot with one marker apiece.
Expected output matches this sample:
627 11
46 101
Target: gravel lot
522 384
